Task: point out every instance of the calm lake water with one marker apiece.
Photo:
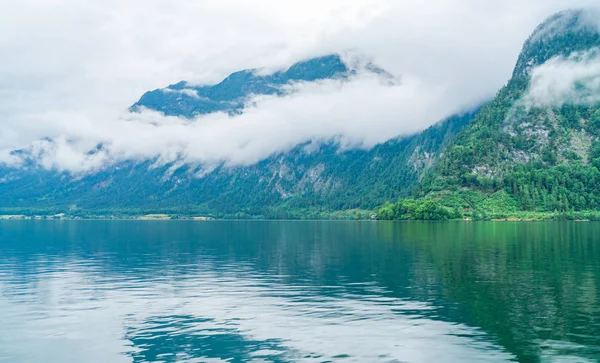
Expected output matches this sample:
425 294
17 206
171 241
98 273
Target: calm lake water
126 291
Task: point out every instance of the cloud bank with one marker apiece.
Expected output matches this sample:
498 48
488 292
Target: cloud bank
574 79
359 113
71 68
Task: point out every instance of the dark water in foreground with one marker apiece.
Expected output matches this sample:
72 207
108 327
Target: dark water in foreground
124 291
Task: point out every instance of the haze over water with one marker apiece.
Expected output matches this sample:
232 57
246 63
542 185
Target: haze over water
127 291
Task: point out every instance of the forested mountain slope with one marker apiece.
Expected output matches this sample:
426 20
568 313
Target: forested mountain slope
536 146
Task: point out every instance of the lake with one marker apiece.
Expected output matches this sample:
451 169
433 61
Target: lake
254 291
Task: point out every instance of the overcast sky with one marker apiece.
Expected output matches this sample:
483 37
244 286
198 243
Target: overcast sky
70 69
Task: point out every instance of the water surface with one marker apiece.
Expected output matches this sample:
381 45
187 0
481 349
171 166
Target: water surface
182 291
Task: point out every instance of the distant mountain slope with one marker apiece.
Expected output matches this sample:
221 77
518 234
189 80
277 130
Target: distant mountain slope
310 181
536 146
303 183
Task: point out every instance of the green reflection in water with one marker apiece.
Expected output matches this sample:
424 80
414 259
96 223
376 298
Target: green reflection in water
531 289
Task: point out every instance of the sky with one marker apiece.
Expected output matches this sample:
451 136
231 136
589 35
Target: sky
70 69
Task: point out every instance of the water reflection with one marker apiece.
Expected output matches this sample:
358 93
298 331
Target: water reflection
298 291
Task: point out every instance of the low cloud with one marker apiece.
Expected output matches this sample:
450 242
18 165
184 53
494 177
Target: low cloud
184 91
574 79
360 112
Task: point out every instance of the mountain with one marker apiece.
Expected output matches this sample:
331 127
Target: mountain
230 95
534 149
310 181
560 35
188 100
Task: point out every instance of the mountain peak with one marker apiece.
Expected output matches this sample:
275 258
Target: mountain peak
229 95
571 20
560 35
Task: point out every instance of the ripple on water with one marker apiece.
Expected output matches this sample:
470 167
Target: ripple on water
297 292
232 315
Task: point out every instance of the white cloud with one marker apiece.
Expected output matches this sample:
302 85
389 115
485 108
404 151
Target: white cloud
360 113
185 91
574 79
70 69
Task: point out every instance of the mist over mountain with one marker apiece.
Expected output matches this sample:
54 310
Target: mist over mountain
563 34
231 95
242 120
320 175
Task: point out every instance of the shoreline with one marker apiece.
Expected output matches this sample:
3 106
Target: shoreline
529 218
